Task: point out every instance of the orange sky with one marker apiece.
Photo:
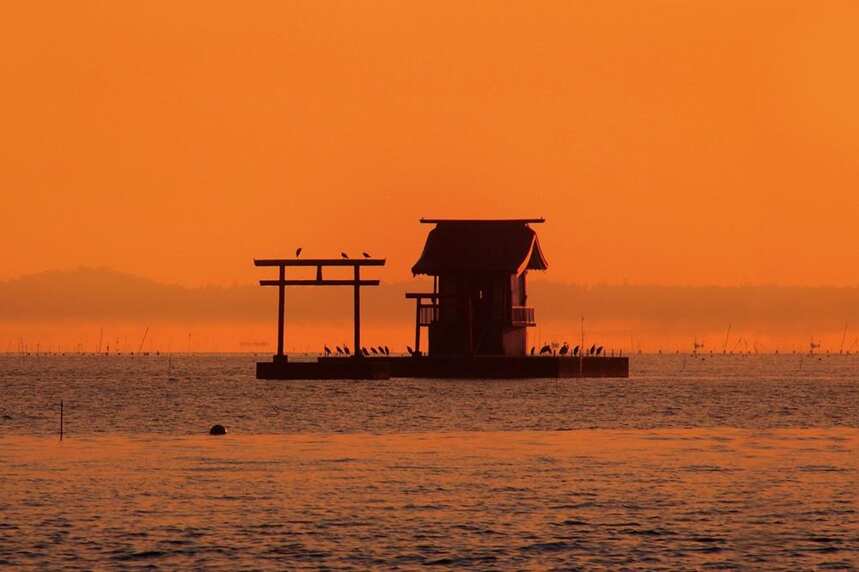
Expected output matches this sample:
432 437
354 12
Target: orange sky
664 141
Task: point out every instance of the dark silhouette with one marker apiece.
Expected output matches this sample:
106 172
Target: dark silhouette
298 252
339 350
481 267
576 351
476 314
282 282
387 351
217 430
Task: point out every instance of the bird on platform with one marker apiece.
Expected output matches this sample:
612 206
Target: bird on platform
547 349
346 350
374 350
533 349
327 351
576 351
365 352
381 349
599 350
344 255
366 255
410 350
593 349
387 351
298 252
339 350
564 349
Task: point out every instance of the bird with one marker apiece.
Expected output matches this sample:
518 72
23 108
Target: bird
339 350
344 255
365 352
374 350
533 349
381 350
327 351
298 252
593 349
410 350
599 350
346 350
366 254
547 349
576 351
387 351
564 349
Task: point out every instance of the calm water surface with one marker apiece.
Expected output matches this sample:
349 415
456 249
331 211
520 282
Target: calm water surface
731 462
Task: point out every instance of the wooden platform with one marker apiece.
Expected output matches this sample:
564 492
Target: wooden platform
325 368
452 367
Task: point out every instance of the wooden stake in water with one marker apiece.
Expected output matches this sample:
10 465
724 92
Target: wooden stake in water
582 349
61 420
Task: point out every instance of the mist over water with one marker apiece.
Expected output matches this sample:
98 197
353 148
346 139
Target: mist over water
722 462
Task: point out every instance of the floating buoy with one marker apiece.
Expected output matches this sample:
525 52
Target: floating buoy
217 430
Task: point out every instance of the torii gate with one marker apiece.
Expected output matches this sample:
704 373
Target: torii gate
319 263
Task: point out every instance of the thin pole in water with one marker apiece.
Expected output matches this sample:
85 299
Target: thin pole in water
582 349
843 339
61 420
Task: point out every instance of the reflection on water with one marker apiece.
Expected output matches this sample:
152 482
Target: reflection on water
727 463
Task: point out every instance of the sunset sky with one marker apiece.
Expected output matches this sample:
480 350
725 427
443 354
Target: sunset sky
666 142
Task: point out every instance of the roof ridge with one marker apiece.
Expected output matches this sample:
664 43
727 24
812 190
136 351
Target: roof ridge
482 220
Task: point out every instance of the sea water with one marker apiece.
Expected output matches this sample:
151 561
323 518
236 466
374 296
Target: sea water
708 462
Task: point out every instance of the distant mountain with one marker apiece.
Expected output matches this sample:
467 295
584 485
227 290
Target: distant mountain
103 294
98 293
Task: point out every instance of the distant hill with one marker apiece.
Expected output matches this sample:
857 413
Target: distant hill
98 293
104 294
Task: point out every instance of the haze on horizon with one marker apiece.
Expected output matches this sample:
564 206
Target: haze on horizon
90 308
